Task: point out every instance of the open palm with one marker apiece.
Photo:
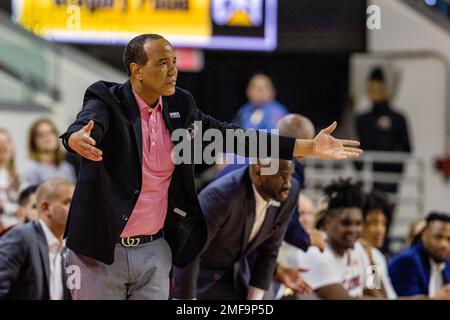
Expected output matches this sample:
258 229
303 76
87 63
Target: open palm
328 147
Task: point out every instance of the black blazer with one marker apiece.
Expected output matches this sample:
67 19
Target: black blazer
24 264
106 191
229 208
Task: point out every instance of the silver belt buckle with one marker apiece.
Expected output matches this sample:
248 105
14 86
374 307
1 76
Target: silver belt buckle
130 242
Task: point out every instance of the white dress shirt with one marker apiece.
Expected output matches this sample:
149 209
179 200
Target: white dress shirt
436 280
55 248
261 206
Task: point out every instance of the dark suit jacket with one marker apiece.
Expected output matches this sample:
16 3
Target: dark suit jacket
106 191
24 264
295 233
229 207
410 271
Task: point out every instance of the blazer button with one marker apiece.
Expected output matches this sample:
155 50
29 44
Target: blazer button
216 276
136 192
124 217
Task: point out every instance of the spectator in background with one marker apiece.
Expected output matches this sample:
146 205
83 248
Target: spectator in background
425 267
27 210
382 128
261 111
339 272
31 266
9 182
27 205
415 232
377 214
46 156
291 258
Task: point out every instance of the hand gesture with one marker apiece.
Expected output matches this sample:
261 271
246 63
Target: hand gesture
325 146
443 293
292 279
82 143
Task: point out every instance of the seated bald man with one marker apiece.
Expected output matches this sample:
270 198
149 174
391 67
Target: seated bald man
31 263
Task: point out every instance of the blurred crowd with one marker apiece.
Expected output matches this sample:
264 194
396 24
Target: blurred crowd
327 249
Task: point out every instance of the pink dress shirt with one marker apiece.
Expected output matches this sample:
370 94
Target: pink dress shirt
150 211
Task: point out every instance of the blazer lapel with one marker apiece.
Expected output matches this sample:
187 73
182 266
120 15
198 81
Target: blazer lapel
267 226
43 250
248 210
134 115
249 213
166 111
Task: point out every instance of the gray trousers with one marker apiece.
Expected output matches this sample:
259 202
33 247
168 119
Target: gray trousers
138 273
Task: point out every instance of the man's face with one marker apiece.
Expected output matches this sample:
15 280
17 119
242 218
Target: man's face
260 90
306 211
29 211
343 228
436 239
374 228
277 186
159 74
58 208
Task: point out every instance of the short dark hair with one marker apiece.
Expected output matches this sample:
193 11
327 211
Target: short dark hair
376 74
437 216
377 200
25 195
134 51
344 194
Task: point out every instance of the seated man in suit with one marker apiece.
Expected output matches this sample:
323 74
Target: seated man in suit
31 266
425 267
246 212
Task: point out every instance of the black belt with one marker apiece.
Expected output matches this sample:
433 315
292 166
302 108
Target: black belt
137 240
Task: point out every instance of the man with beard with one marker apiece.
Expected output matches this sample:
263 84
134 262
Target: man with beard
425 267
247 214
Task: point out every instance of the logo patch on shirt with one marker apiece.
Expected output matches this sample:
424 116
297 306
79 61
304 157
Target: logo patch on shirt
174 115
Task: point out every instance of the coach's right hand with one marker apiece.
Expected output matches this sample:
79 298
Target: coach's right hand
82 143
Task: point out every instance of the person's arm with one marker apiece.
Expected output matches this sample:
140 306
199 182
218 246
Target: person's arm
89 128
333 292
326 146
323 145
337 292
12 259
405 277
214 206
296 235
292 279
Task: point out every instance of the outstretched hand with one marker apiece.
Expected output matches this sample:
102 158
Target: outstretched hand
292 279
328 147
82 143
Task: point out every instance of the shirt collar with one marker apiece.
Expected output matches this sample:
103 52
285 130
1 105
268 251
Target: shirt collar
53 243
437 266
144 106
